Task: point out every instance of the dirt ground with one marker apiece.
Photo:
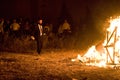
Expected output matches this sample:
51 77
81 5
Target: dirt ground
51 65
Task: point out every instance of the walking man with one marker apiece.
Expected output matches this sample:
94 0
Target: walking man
38 32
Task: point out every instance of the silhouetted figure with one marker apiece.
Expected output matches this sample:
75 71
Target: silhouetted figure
26 28
37 33
1 30
7 26
64 29
15 29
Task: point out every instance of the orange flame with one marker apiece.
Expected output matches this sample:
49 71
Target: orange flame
94 57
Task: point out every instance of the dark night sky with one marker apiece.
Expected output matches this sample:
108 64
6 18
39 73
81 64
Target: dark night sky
29 8
77 9
50 7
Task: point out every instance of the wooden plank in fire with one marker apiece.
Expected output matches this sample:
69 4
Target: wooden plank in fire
112 45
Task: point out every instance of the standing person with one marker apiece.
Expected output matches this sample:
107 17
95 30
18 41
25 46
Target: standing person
64 29
1 25
1 30
38 31
26 28
15 29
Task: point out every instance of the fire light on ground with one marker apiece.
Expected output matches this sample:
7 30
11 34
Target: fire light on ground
111 51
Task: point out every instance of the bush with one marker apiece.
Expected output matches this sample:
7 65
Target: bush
22 44
80 41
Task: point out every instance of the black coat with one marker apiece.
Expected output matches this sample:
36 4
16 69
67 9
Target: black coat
35 31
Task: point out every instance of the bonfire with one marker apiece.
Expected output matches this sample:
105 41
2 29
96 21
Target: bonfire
110 54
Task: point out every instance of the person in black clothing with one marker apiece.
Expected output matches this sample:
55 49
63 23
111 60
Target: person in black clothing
38 35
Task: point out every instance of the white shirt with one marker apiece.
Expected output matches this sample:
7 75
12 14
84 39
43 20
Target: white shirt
40 28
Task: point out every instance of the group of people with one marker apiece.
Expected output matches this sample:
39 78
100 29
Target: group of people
17 28
64 29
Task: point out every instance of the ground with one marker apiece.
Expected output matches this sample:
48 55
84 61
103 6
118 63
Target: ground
51 65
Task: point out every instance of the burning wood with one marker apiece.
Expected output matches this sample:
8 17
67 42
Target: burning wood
107 52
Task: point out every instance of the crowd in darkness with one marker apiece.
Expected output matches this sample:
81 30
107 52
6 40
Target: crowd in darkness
20 26
17 28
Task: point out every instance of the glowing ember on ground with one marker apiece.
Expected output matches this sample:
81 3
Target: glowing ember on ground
111 53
